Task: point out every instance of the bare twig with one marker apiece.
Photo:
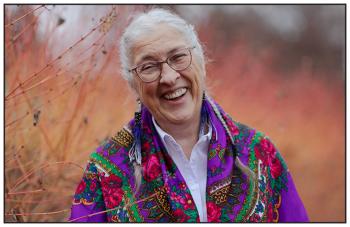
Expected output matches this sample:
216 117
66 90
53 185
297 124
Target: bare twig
42 167
20 85
26 192
12 40
21 17
42 213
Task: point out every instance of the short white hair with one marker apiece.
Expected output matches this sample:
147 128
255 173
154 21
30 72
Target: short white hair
144 23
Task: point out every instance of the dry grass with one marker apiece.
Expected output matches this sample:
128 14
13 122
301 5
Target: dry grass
62 100
55 114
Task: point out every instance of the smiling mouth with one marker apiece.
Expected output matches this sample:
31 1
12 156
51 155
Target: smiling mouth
175 94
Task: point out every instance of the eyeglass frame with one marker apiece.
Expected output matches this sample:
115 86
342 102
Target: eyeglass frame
161 65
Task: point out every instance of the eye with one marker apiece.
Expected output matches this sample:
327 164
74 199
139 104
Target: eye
148 67
178 57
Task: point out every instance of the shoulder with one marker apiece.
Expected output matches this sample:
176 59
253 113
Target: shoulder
257 151
249 140
112 156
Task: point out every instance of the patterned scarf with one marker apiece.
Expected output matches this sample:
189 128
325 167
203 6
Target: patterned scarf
108 185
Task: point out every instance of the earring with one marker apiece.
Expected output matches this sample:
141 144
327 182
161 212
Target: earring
138 105
135 151
204 116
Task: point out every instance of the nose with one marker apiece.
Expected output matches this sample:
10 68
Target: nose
169 75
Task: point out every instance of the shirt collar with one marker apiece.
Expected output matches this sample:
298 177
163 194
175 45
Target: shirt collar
164 134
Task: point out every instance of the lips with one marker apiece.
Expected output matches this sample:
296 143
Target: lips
175 94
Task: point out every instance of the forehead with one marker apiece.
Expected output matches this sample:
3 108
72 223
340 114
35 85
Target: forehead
157 43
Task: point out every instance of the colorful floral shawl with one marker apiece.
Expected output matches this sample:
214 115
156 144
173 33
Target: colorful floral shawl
107 191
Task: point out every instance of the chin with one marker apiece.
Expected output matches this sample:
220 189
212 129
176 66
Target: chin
188 119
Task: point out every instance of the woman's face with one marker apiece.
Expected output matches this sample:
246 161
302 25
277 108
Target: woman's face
175 97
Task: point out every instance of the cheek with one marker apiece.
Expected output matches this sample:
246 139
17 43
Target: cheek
147 93
198 79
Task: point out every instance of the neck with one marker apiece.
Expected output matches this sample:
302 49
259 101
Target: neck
185 134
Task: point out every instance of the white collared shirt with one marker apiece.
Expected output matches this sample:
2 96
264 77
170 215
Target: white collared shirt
194 170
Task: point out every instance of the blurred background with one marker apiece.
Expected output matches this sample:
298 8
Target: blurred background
277 68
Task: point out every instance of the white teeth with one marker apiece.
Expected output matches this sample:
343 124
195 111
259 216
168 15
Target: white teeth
176 93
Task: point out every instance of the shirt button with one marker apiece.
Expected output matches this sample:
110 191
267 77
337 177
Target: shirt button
189 201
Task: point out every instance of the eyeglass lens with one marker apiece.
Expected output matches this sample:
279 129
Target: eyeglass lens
178 61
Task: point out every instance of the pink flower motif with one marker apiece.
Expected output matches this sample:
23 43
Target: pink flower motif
254 218
112 192
81 187
276 168
269 213
173 195
268 147
93 186
266 152
186 201
233 128
112 181
145 146
218 148
214 212
151 168
113 198
183 185
180 215
176 198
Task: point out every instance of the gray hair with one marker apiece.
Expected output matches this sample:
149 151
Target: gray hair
144 23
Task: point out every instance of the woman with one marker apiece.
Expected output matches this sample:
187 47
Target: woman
182 158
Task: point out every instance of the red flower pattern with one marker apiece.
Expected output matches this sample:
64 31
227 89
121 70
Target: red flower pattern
254 218
275 168
269 213
112 192
145 146
233 128
266 152
151 168
93 186
187 202
180 215
81 187
183 185
214 212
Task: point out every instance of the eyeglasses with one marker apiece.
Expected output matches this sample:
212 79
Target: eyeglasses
151 70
